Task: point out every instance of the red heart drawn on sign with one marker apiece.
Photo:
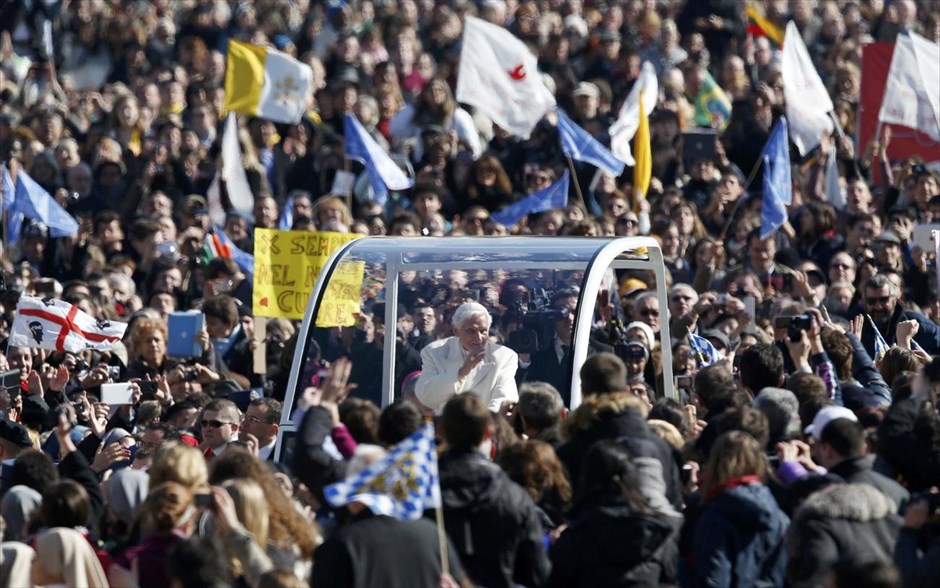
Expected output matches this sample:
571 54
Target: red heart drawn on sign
263 301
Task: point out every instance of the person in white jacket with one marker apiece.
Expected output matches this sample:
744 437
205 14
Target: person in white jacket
468 362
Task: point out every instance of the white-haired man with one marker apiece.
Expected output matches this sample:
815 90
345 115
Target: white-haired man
468 362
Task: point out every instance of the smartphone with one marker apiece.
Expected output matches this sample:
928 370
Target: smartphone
205 501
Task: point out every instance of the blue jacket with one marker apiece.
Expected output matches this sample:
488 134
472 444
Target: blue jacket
739 540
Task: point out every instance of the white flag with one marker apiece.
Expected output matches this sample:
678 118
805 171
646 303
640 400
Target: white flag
233 170
59 326
808 102
912 93
622 131
500 76
834 192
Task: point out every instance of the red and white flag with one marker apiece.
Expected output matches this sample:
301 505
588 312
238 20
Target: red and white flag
500 76
59 326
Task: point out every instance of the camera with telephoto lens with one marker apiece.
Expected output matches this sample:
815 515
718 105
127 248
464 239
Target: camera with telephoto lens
795 325
537 319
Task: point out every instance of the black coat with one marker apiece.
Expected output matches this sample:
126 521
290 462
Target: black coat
845 521
492 522
858 470
382 552
545 367
611 545
905 446
314 466
629 428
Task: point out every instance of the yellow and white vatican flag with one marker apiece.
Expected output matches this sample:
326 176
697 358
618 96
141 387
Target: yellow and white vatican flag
260 81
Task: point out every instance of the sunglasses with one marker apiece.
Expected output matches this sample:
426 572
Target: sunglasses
649 312
215 424
879 300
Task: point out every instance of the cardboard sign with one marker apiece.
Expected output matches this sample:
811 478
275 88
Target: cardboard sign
287 264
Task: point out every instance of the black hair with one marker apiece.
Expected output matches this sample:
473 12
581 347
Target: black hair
761 367
398 421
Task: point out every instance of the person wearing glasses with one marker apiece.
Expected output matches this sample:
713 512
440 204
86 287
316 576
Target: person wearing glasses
646 310
220 424
260 426
881 304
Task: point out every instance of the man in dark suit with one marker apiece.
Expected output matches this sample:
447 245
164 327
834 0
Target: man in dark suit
261 422
553 364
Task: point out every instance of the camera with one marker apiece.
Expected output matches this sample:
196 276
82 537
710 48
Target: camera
684 382
795 325
189 375
537 318
114 372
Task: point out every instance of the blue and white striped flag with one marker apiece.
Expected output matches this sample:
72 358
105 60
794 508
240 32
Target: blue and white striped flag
881 346
402 485
704 350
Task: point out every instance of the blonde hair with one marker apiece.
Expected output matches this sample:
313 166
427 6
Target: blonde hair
251 507
143 327
333 202
177 462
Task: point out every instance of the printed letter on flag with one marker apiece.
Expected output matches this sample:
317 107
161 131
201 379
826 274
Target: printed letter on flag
58 326
808 102
500 76
912 94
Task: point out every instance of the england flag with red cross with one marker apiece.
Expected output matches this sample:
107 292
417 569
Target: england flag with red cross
59 326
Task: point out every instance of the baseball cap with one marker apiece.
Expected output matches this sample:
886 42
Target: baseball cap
586 89
827 415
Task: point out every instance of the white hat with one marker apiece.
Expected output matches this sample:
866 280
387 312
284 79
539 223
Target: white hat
825 416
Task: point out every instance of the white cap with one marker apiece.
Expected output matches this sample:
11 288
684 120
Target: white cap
825 416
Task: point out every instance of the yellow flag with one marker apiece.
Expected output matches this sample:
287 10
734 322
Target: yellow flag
642 153
263 82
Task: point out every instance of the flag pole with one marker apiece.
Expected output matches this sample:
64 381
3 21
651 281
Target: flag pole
442 538
439 517
349 187
577 185
737 205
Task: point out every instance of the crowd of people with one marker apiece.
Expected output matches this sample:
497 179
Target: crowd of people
804 452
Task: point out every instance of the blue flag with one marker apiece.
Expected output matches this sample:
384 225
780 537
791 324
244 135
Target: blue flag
384 174
287 215
579 145
245 261
881 346
35 203
14 219
553 196
403 484
778 188
704 350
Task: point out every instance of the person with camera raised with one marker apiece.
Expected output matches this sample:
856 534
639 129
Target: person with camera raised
553 364
468 362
